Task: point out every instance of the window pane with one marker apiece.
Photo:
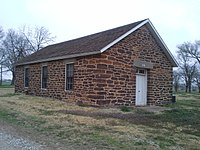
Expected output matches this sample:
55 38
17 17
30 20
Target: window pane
70 70
44 76
141 71
69 76
45 71
26 76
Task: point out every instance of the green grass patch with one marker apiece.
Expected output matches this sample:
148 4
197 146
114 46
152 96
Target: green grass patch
184 94
8 116
187 119
20 119
9 95
189 103
125 109
184 114
6 86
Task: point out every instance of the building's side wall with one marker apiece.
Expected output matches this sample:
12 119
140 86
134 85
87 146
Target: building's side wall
56 81
107 78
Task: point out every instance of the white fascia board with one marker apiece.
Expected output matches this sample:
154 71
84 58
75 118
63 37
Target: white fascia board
156 35
123 36
160 40
60 58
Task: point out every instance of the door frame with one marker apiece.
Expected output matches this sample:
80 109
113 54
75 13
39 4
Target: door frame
141 72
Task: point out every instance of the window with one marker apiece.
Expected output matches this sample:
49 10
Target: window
44 77
26 77
69 74
141 71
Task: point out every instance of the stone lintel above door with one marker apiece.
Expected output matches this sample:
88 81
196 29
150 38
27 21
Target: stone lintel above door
143 64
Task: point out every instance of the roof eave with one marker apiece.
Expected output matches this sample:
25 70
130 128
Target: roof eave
59 58
149 25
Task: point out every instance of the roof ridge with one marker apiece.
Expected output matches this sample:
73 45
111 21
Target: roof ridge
98 32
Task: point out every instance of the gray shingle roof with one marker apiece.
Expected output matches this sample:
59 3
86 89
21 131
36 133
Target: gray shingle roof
93 44
87 44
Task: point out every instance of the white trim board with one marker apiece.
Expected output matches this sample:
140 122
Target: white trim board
156 36
123 36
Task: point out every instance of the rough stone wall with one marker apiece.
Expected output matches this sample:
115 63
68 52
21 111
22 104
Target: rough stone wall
55 84
108 78
19 79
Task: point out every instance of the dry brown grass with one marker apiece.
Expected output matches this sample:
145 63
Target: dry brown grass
100 132
4 91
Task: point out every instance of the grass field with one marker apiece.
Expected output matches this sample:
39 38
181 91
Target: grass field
6 85
106 128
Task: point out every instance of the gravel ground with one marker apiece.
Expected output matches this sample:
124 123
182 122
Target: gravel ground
16 138
11 140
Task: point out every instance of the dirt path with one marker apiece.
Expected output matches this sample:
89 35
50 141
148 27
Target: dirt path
16 138
11 138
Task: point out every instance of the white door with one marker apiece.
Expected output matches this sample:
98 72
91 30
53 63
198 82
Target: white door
141 87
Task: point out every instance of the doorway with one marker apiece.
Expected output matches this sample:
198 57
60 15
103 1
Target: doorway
141 87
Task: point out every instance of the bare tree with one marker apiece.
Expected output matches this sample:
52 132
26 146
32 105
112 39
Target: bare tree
176 79
197 78
1 54
1 39
38 37
187 66
192 49
15 47
1 33
19 44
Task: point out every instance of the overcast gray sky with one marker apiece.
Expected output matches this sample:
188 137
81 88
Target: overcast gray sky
177 21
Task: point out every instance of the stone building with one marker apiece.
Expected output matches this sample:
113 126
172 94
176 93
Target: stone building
128 65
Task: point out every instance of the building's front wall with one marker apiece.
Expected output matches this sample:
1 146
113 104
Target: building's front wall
108 78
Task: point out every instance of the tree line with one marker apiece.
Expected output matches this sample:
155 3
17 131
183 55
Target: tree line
188 72
17 44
